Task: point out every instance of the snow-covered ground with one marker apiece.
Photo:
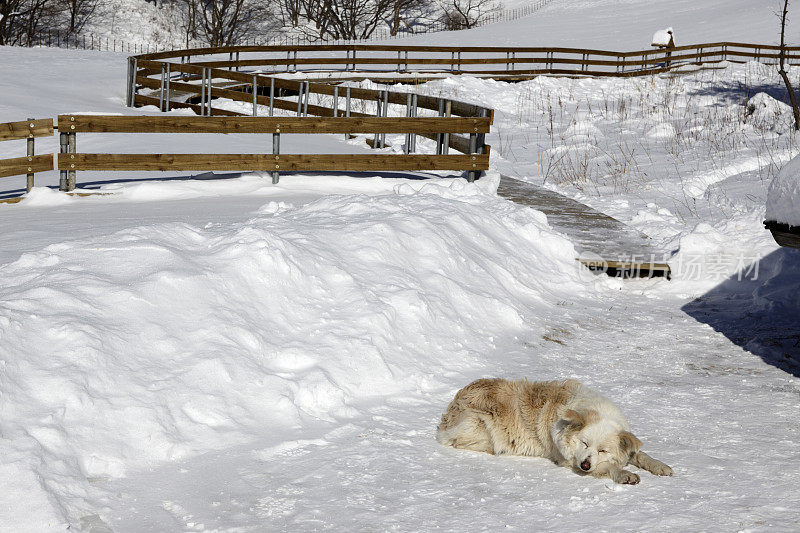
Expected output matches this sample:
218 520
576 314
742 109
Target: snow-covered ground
228 355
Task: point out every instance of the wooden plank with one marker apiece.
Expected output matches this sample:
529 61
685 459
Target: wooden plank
24 129
17 166
269 162
177 124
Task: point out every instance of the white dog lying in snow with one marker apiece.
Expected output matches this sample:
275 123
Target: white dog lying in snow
563 421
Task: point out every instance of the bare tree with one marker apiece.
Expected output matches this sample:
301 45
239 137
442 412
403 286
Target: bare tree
409 14
466 14
350 19
226 22
793 98
77 13
22 21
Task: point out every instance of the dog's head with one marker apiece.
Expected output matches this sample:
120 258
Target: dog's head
590 443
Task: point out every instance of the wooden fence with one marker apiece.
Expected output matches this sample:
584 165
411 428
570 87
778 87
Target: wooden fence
496 62
31 163
474 160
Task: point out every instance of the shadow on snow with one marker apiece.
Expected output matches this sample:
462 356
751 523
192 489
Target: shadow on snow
761 315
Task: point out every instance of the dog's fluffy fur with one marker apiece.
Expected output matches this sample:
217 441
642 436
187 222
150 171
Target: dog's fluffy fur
563 421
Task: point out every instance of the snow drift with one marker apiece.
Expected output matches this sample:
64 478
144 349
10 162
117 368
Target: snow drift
170 340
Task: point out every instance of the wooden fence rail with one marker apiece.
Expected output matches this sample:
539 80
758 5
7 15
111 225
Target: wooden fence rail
31 163
474 160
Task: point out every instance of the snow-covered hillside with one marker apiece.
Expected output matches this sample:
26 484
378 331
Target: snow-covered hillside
228 355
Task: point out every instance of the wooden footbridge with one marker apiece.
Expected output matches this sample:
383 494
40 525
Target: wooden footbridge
276 83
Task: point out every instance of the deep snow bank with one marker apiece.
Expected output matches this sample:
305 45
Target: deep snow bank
169 340
783 195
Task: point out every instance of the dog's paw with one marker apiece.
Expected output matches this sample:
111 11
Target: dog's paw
627 478
660 469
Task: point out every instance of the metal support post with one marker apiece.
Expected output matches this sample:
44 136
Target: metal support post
407 145
129 91
161 89
255 95
71 173
64 143
133 82
29 184
448 106
440 136
336 101
473 148
413 114
169 88
203 92
347 109
271 96
308 95
378 113
385 114
276 150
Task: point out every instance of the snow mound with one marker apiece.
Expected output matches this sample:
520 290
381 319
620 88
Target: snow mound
766 113
170 340
663 37
783 195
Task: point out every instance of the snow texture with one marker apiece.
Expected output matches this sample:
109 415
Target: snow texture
215 353
783 195
663 37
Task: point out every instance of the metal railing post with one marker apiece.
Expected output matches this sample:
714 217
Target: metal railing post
473 148
378 113
71 173
29 176
161 89
448 106
276 150
407 145
440 136
129 90
169 88
336 101
255 95
308 95
63 183
271 96
347 109
413 114
385 114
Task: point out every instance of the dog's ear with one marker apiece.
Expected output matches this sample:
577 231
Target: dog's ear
573 419
628 443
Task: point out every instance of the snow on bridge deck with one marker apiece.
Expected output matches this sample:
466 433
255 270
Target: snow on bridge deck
602 242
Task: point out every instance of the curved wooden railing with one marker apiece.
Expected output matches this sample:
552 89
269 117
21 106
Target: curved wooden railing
192 78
